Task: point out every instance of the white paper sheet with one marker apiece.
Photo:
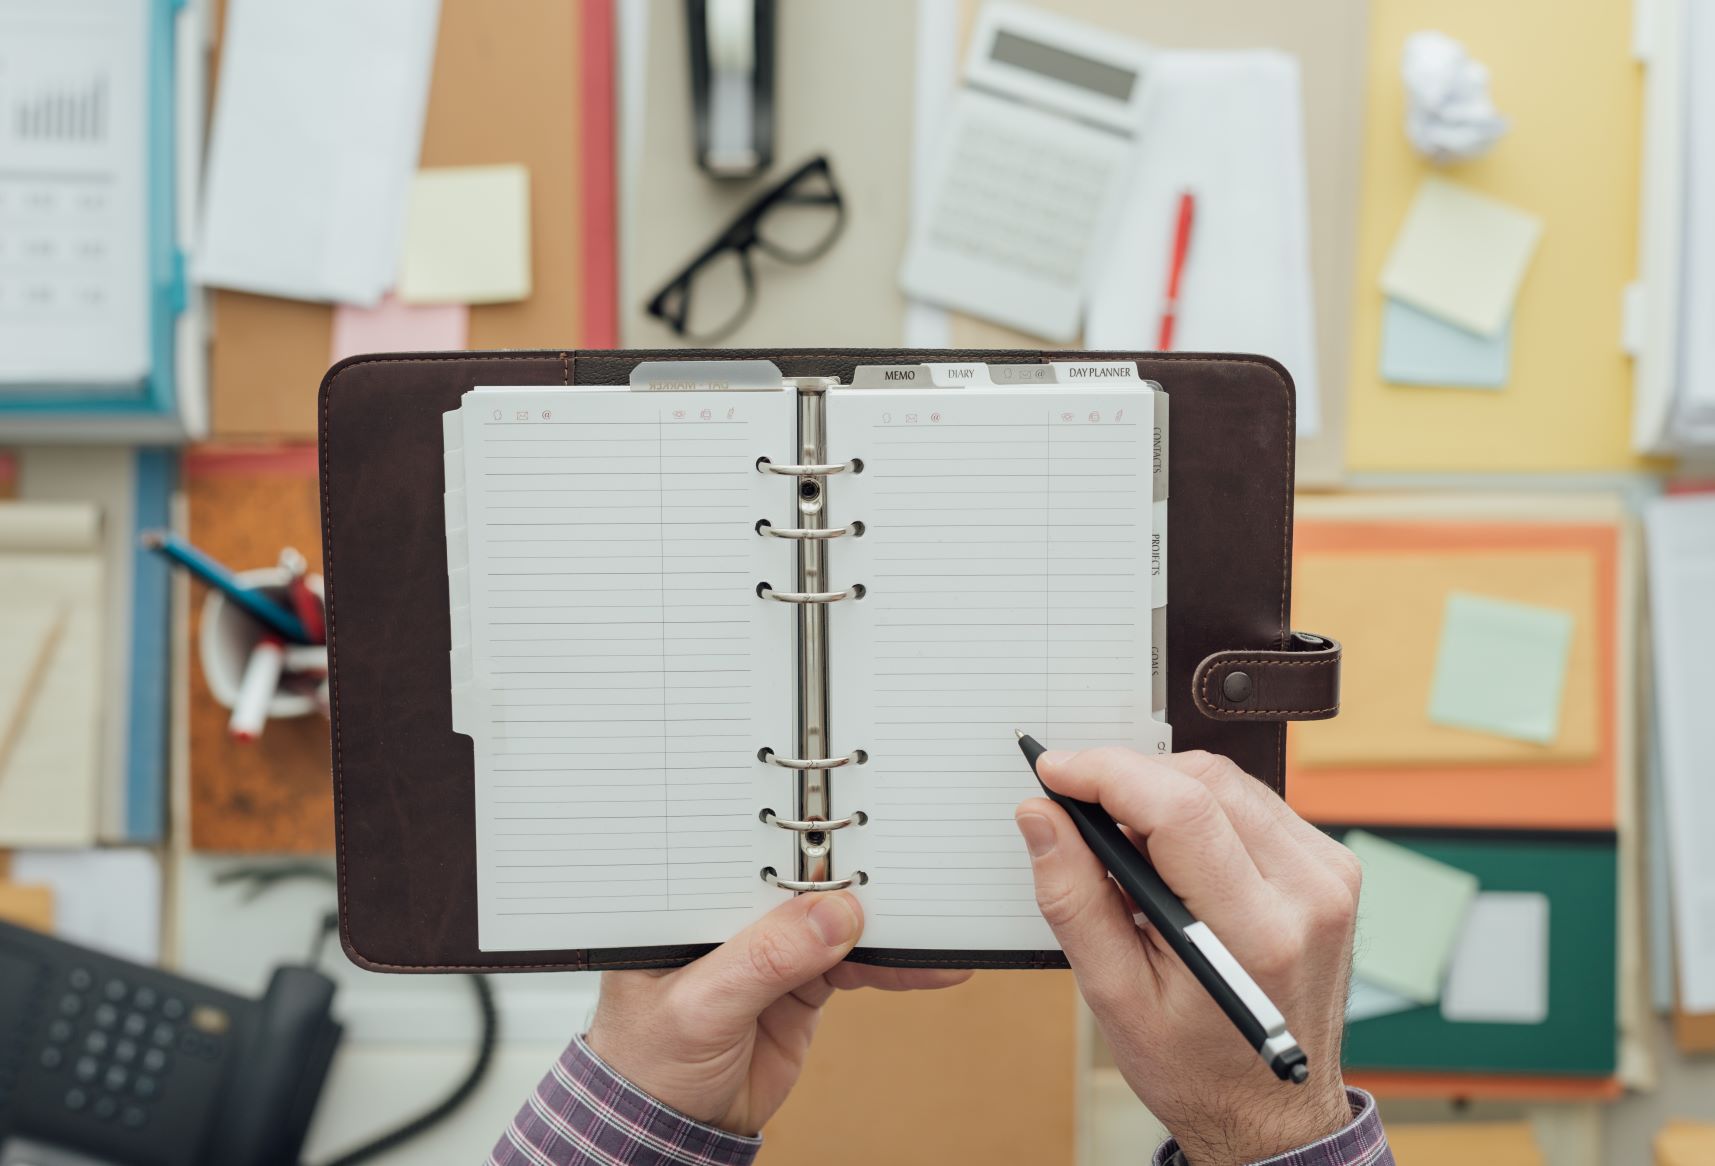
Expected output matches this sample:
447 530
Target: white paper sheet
317 124
106 899
74 283
1229 127
624 670
1006 557
1680 533
1499 971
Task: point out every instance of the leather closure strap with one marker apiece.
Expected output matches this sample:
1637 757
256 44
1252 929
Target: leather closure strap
1299 683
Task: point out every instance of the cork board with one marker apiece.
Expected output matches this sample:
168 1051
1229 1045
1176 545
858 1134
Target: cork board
510 84
273 795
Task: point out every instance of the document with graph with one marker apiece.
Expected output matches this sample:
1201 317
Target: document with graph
714 645
75 290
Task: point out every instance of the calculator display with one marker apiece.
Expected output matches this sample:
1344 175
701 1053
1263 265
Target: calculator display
1056 63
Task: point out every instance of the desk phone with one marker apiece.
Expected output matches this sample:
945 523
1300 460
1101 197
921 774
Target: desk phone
104 1062
1028 171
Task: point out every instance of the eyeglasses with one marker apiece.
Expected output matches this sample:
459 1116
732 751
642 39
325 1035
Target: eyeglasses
794 221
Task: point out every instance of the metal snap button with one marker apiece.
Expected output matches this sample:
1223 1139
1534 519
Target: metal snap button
1237 687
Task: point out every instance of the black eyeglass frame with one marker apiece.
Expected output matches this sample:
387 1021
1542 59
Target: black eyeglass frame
741 237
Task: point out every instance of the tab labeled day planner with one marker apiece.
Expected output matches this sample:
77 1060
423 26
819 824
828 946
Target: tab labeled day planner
628 647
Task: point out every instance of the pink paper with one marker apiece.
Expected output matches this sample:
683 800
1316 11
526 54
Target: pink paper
391 326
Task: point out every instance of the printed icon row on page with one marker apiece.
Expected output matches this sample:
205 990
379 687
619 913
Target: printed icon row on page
676 415
1094 417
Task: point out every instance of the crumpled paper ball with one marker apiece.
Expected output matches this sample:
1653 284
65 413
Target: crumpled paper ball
1449 115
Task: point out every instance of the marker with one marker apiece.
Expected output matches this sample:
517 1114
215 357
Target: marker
252 602
261 681
1251 1012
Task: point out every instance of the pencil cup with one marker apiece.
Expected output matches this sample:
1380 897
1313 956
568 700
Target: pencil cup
226 636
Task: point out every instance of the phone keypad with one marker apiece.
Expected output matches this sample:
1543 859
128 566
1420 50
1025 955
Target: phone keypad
114 1043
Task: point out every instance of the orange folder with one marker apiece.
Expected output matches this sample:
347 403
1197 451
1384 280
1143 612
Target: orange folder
1534 792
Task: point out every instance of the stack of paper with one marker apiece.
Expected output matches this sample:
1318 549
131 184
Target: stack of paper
50 669
1228 127
1680 533
1451 278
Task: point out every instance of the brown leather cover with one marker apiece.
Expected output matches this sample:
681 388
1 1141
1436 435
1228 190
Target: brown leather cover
404 806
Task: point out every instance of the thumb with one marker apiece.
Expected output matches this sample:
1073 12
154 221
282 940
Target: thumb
1086 911
784 950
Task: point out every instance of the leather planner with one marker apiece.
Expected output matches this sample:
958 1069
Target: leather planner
627 646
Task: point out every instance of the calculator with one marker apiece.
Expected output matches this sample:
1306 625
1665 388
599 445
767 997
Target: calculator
107 1061
1028 173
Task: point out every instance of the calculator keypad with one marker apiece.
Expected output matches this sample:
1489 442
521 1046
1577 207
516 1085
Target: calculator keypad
1018 201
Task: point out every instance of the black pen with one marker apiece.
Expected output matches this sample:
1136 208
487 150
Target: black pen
1251 1012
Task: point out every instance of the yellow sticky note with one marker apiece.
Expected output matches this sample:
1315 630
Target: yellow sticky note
1685 1143
467 236
1489 1143
1461 256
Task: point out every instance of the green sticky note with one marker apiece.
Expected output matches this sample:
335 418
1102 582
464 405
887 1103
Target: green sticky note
1409 916
1501 668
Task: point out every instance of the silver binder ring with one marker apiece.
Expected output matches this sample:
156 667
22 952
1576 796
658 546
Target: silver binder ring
768 467
814 826
855 591
773 879
855 757
768 530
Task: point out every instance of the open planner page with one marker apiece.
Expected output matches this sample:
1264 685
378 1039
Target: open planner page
1007 572
613 663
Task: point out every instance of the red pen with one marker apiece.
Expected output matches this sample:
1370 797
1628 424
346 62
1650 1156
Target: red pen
1175 272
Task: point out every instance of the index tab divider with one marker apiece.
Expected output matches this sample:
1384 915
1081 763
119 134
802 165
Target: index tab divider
952 376
891 376
1161 442
707 376
1094 372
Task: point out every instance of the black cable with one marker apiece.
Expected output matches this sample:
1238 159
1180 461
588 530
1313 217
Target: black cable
260 879
461 1093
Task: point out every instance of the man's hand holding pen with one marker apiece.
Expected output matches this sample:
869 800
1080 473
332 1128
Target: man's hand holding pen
1281 894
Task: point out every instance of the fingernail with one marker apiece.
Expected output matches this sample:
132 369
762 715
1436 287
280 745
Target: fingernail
1038 834
1053 759
834 920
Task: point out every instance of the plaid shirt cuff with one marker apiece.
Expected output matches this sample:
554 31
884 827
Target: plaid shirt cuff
585 1114
1360 1144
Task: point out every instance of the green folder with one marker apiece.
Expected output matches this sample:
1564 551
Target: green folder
1580 1037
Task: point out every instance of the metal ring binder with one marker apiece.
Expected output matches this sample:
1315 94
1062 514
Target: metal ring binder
856 878
808 597
810 471
812 822
857 757
814 827
768 530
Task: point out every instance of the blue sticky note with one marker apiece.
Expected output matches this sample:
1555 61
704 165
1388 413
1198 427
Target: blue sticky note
1501 668
1419 349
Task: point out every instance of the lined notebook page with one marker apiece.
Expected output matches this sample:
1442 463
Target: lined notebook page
1006 557
622 671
